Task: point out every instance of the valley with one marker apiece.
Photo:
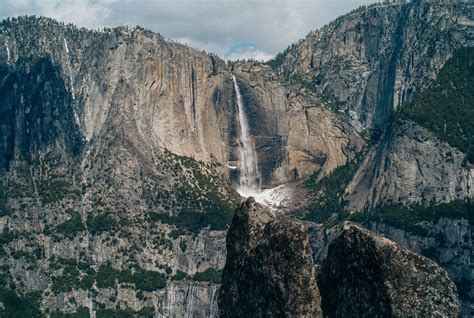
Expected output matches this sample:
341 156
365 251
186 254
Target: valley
124 156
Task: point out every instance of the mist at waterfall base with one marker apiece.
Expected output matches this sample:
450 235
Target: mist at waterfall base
249 180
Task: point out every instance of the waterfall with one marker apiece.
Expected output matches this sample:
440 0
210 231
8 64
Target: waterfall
249 176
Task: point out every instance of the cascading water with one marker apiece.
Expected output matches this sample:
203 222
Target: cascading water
249 176
249 183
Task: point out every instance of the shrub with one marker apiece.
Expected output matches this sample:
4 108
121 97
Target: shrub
180 275
148 280
447 106
82 312
72 226
209 275
327 203
67 281
101 223
106 276
19 306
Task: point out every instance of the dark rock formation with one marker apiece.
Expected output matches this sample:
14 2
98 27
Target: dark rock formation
367 275
269 270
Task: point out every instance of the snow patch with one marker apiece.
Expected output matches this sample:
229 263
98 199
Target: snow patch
276 198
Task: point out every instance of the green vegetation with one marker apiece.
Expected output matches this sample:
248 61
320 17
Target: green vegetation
447 107
72 226
209 275
82 312
195 221
146 312
4 207
27 306
67 281
409 218
327 204
105 277
6 236
53 190
142 279
199 199
101 223
148 280
180 275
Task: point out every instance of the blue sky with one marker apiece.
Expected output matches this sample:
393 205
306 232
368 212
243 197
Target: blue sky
234 29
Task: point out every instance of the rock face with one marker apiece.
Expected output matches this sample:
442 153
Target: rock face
447 242
367 275
410 165
269 270
114 150
296 135
117 148
373 60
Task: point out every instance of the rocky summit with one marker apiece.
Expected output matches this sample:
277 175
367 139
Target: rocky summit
123 154
269 270
366 275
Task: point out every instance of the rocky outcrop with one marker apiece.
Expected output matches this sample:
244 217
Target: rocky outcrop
296 134
367 275
410 165
269 270
448 242
374 59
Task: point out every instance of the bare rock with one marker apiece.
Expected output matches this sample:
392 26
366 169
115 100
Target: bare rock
366 275
269 270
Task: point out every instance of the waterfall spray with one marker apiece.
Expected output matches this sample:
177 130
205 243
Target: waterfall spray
249 175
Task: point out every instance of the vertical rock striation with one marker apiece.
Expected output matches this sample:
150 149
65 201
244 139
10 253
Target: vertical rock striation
373 60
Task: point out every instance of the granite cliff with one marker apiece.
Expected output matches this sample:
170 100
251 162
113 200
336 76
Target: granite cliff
120 155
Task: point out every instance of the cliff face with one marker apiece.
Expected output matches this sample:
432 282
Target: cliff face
117 147
410 165
296 135
180 99
269 269
90 193
373 60
367 275
113 161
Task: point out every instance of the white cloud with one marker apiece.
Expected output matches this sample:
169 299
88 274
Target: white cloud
250 54
247 52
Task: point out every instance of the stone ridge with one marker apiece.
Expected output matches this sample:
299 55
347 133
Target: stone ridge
269 270
368 275
372 61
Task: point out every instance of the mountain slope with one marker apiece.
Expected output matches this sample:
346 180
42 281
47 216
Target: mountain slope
372 61
114 164
119 150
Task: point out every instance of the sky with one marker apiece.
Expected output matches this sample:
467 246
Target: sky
233 29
